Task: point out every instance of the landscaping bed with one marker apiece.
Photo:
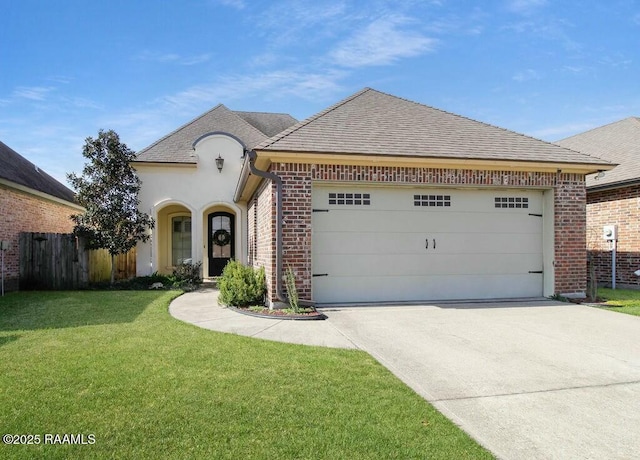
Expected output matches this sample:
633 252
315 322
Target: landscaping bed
285 313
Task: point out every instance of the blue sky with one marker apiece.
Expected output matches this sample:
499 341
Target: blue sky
545 68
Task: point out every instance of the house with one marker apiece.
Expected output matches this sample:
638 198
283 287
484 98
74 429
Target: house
613 198
374 199
30 201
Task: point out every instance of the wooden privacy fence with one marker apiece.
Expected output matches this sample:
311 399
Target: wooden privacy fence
100 265
61 261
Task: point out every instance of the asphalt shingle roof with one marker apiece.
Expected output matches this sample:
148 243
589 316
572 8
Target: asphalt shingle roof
250 127
268 123
17 169
617 142
375 123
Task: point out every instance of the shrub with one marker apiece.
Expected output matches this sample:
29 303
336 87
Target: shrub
241 286
292 291
186 274
134 284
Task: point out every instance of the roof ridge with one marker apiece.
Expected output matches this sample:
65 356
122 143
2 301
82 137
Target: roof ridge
306 121
262 112
497 127
486 124
182 127
235 112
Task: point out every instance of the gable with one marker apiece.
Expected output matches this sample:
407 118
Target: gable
248 127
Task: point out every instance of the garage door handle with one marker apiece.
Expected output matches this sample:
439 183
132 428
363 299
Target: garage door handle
426 243
434 243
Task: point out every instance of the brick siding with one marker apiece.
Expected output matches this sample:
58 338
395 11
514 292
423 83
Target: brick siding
23 212
619 207
262 233
570 220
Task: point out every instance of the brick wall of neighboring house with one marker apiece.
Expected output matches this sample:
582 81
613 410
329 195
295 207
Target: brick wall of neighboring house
569 196
619 207
23 212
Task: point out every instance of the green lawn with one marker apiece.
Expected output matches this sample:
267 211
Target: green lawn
116 366
622 300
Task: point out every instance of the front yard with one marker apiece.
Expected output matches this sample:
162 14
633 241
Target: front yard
622 300
115 368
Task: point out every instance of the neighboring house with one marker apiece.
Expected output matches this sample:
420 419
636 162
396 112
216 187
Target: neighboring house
613 199
30 201
376 199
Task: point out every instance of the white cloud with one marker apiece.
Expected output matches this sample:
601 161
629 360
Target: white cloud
81 103
298 14
562 131
302 22
173 58
197 59
33 93
60 79
237 4
139 127
527 75
525 6
548 29
307 85
382 42
617 60
574 69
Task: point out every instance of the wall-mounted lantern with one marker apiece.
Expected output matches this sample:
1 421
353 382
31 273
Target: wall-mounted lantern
219 163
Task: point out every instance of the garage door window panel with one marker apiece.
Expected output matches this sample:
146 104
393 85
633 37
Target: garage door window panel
432 200
350 199
511 202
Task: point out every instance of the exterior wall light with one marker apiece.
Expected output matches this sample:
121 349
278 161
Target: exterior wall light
219 163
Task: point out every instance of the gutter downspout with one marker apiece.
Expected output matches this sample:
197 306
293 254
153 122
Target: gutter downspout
278 181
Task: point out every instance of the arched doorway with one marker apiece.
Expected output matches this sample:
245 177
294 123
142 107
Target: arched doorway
221 239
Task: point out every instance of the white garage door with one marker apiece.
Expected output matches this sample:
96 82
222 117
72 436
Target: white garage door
374 244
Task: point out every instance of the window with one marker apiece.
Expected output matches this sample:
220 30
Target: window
432 200
350 199
511 202
180 240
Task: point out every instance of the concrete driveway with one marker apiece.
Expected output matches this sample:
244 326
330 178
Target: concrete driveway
528 380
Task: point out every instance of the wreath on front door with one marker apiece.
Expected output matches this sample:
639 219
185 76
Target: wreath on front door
221 237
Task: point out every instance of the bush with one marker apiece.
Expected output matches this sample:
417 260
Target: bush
186 274
241 286
134 284
292 292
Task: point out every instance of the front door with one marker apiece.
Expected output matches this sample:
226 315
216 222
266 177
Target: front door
221 241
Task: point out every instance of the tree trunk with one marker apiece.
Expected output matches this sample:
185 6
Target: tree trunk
113 269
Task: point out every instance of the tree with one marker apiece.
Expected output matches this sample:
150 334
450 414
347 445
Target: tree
108 189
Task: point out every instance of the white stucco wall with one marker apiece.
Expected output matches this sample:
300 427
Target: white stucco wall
200 188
